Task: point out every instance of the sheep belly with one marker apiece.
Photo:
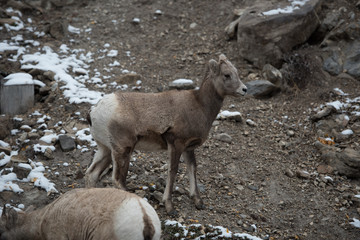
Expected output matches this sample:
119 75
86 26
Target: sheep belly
151 142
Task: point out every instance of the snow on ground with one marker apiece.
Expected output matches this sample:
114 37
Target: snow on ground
294 5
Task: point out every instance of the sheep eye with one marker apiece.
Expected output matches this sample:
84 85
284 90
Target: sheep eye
227 76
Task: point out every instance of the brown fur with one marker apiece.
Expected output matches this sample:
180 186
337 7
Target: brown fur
78 214
178 121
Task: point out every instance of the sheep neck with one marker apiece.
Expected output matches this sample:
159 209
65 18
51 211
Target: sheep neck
210 99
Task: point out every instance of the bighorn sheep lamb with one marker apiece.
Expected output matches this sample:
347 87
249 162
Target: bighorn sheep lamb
177 121
97 213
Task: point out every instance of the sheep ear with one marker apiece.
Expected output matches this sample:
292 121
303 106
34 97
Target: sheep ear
10 217
214 66
222 58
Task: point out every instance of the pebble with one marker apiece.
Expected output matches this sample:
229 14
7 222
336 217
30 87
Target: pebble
48 153
290 133
66 143
251 123
289 173
224 137
302 174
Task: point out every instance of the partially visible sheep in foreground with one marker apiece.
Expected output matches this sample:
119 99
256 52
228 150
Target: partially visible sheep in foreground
178 121
85 214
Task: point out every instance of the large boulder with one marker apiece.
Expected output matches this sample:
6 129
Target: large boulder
341 45
266 31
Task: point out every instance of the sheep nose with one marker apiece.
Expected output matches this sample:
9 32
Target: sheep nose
244 89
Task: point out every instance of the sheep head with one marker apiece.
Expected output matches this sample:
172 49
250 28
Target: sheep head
225 78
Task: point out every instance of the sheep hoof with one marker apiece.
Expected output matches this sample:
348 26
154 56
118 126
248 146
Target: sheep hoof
170 208
173 213
199 205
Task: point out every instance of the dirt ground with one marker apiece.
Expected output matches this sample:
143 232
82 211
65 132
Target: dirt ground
243 183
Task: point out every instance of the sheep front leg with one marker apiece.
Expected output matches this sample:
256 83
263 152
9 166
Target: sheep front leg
101 161
190 160
172 171
121 161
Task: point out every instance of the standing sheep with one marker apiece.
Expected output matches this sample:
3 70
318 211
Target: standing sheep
177 121
85 214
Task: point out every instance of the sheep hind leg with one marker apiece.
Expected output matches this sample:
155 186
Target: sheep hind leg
172 171
190 161
101 161
121 161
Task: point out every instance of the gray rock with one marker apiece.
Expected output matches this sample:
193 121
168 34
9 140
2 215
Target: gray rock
18 159
333 64
329 109
345 162
352 61
182 84
272 74
49 75
48 153
302 174
21 172
261 88
289 173
260 46
224 137
6 150
57 30
66 143
158 196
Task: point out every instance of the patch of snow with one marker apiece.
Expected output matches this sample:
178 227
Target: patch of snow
347 132
42 148
49 138
182 81
227 114
336 104
73 29
355 223
21 79
83 136
294 5
47 60
37 177
112 53
6 183
4 144
136 20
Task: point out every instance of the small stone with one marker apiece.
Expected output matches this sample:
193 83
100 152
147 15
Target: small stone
20 171
66 143
6 150
324 169
251 123
23 137
33 135
48 153
329 109
290 133
289 173
193 25
18 159
302 174
49 75
158 196
254 188
224 137
44 91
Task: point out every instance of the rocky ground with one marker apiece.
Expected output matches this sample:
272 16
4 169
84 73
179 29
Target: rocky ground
274 173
